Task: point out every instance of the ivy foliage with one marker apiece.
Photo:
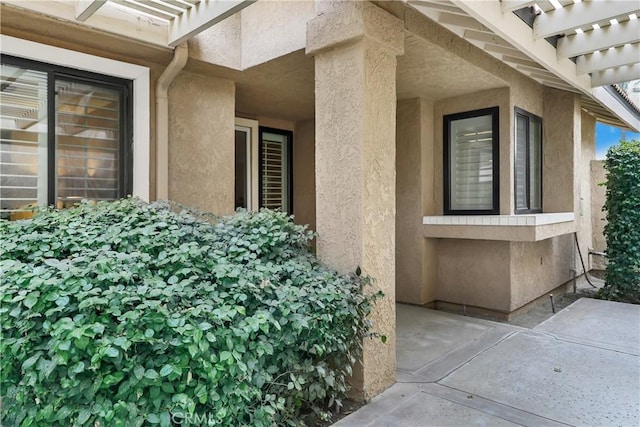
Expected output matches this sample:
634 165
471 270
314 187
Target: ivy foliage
622 230
126 314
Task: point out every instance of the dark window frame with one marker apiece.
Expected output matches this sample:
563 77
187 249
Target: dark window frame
289 135
529 116
125 90
494 112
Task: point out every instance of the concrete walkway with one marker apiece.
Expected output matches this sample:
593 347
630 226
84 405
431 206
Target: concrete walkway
581 368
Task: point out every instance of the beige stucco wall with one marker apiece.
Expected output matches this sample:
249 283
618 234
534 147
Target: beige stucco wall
598 217
416 269
201 148
261 32
355 45
474 273
304 173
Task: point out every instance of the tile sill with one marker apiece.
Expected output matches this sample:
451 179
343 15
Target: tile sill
514 228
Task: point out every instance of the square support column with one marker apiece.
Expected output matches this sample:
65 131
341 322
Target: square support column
355 45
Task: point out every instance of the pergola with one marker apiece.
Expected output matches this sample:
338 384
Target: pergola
159 22
586 46
591 47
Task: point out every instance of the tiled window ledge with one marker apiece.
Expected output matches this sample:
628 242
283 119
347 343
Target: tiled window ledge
519 228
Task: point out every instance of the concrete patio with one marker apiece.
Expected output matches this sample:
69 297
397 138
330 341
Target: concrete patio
580 367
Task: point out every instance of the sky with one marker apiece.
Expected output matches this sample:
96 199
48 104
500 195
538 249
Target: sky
606 136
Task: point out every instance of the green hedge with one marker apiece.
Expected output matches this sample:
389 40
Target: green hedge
125 313
622 230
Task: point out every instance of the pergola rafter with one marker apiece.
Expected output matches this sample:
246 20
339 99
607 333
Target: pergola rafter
164 23
568 44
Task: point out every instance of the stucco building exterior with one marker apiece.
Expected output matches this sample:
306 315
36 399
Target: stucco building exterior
422 145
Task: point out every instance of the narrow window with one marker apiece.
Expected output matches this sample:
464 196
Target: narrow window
243 168
528 162
275 169
471 162
66 136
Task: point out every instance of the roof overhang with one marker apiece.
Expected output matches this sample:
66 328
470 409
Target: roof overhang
165 23
578 46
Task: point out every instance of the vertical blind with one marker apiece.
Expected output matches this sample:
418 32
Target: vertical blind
23 146
471 164
274 171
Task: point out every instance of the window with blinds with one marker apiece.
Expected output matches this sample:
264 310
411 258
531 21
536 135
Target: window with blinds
528 162
64 136
23 143
275 169
471 162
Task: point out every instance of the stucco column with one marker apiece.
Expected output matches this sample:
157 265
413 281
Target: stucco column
355 45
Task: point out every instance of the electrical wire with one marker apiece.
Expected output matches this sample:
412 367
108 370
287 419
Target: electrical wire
584 269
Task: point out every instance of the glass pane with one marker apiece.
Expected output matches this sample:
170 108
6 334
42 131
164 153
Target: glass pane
275 171
87 142
23 144
521 163
535 164
242 166
471 164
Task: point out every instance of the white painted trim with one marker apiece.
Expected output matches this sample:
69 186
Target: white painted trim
590 41
615 106
86 8
253 127
610 58
615 75
580 15
112 18
515 31
82 61
511 5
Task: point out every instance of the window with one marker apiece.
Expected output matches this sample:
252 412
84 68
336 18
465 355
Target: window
528 162
471 162
66 136
263 167
276 169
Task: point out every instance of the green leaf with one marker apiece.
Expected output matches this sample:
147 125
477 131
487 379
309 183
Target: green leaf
30 300
30 362
113 378
77 368
225 355
153 419
83 416
166 370
112 352
151 374
62 301
138 372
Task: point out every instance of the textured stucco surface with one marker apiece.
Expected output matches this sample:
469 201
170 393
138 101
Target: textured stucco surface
355 167
561 140
416 269
201 149
433 72
598 217
304 176
474 273
220 44
539 267
271 29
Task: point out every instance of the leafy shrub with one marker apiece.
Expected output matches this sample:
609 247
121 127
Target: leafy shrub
622 231
126 313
